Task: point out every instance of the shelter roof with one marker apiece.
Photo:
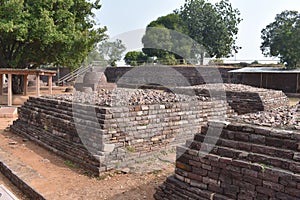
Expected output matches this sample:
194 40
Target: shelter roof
272 70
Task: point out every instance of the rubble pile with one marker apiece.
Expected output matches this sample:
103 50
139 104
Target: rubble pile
125 97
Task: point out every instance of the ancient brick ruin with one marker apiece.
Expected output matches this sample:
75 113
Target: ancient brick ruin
248 162
245 99
111 130
101 138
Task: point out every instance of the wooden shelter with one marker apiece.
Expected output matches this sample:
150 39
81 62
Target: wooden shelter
25 73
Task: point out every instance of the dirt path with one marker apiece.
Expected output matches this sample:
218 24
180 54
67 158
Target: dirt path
58 179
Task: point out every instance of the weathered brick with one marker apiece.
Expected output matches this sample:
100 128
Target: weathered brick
292 192
273 186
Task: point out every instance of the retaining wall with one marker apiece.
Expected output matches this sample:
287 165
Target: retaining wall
102 138
245 99
248 162
190 75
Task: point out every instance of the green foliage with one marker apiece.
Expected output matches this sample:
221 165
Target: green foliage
170 21
135 58
112 51
216 61
95 56
157 41
130 149
34 33
165 39
70 164
213 26
281 38
255 62
167 59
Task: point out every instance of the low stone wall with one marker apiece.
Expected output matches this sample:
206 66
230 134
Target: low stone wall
247 162
245 99
100 138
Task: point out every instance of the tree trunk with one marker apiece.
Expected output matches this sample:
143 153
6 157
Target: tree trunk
17 84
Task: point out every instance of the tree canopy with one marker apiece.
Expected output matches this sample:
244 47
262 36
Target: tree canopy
281 38
165 39
41 32
112 51
135 58
212 27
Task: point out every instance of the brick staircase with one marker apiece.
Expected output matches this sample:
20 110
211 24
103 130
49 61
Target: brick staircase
247 162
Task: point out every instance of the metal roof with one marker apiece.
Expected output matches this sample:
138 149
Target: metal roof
272 70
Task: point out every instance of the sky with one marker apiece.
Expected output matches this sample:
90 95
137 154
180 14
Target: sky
130 17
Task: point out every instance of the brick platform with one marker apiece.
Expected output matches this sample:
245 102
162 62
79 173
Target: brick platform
102 138
8 112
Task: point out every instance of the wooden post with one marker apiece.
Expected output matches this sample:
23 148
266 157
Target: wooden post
37 80
50 84
1 84
25 85
9 90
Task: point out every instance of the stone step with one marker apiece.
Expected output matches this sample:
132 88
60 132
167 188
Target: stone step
221 172
266 136
20 174
261 157
250 147
176 189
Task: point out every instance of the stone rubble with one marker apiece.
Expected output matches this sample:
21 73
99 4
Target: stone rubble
287 118
125 97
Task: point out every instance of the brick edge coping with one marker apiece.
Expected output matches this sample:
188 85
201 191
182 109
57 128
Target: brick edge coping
19 183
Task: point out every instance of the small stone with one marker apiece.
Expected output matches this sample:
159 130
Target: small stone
13 143
45 161
125 170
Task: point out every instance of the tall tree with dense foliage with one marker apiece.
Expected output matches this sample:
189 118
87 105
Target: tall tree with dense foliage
41 32
162 39
214 26
281 38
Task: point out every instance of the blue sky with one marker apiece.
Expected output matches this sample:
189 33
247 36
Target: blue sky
121 16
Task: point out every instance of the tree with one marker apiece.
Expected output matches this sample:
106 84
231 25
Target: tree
95 56
206 29
34 33
163 41
281 38
213 26
135 58
112 51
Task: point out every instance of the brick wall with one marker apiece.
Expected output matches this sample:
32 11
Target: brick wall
191 75
248 162
102 138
